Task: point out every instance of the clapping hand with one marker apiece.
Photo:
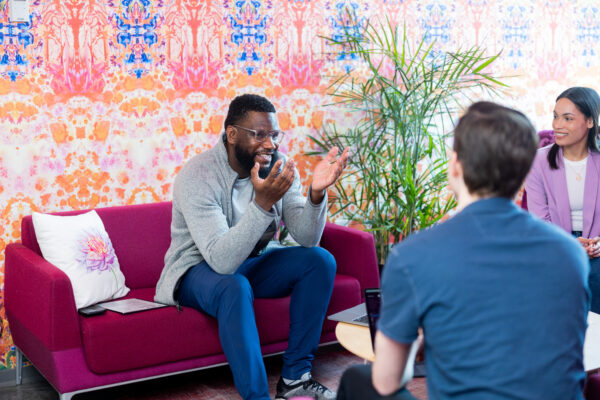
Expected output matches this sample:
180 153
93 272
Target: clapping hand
268 191
326 172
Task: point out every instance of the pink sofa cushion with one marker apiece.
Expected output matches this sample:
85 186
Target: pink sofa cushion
140 235
114 342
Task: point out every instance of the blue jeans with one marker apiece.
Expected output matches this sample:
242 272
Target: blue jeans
305 273
593 280
594 284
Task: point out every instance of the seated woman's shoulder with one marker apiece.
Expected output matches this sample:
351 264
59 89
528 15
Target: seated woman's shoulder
545 149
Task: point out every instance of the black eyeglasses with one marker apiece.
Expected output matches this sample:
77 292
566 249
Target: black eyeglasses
261 136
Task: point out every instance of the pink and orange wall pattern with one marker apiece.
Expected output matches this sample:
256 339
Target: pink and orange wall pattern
101 102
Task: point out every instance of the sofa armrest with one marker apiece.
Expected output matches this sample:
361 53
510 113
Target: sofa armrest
40 297
354 252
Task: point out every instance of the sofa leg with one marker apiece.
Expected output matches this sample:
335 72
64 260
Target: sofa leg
65 396
19 366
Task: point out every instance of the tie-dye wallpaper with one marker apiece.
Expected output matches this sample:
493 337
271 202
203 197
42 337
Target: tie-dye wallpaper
101 102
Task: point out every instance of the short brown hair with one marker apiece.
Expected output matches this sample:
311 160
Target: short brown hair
496 146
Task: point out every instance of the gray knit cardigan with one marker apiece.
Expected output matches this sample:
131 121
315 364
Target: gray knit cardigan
202 217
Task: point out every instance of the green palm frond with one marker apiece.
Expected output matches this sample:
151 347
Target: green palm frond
397 171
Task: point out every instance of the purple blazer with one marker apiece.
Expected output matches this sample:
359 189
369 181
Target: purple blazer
548 198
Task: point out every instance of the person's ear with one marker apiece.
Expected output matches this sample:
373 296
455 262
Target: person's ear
231 134
590 123
454 166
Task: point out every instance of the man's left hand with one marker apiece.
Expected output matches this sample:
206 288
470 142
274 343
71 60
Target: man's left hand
326 172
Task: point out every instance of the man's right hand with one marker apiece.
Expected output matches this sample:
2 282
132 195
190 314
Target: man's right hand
268 191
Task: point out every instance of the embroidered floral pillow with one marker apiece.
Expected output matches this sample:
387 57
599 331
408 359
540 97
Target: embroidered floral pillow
80 247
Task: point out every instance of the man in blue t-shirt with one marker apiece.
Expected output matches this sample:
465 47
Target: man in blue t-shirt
501 296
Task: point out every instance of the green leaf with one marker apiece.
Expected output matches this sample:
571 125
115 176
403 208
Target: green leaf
395 182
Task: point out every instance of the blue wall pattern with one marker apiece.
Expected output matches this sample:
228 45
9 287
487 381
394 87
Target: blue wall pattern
15 37
137 33
437 21
588 32
516 26
346 17
248 21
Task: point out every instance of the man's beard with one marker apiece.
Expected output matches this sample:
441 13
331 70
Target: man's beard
246 159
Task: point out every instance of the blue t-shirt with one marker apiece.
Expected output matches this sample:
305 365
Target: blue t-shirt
502 298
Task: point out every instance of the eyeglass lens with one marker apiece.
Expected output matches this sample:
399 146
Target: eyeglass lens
261 136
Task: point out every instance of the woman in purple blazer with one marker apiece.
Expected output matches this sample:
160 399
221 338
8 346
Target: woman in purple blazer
563 184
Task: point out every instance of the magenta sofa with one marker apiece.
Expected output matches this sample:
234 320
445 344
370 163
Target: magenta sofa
77 354
546 137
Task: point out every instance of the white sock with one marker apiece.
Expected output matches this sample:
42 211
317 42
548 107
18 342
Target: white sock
306 376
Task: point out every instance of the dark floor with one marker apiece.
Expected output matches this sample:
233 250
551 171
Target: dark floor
213 384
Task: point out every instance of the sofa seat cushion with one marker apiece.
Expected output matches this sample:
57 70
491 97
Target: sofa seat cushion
113 342
346 294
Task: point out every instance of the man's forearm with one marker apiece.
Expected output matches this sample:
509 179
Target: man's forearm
304 218
226 249
389 364
316 196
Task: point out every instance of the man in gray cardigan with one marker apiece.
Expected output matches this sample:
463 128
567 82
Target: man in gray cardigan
227 205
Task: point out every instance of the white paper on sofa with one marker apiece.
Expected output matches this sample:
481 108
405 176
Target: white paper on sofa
81 248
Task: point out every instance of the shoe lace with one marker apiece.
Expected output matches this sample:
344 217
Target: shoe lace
315 386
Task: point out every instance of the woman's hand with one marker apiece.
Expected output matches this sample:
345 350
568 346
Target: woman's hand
591 246
594 247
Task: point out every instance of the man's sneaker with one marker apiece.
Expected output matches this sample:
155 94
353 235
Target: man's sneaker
309 387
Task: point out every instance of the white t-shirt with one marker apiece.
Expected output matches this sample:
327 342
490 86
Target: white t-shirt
241 196
575 171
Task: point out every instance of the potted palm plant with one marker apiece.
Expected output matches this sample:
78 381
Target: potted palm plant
405 98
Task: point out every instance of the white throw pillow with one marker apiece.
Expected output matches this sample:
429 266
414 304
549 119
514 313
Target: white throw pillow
81 248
